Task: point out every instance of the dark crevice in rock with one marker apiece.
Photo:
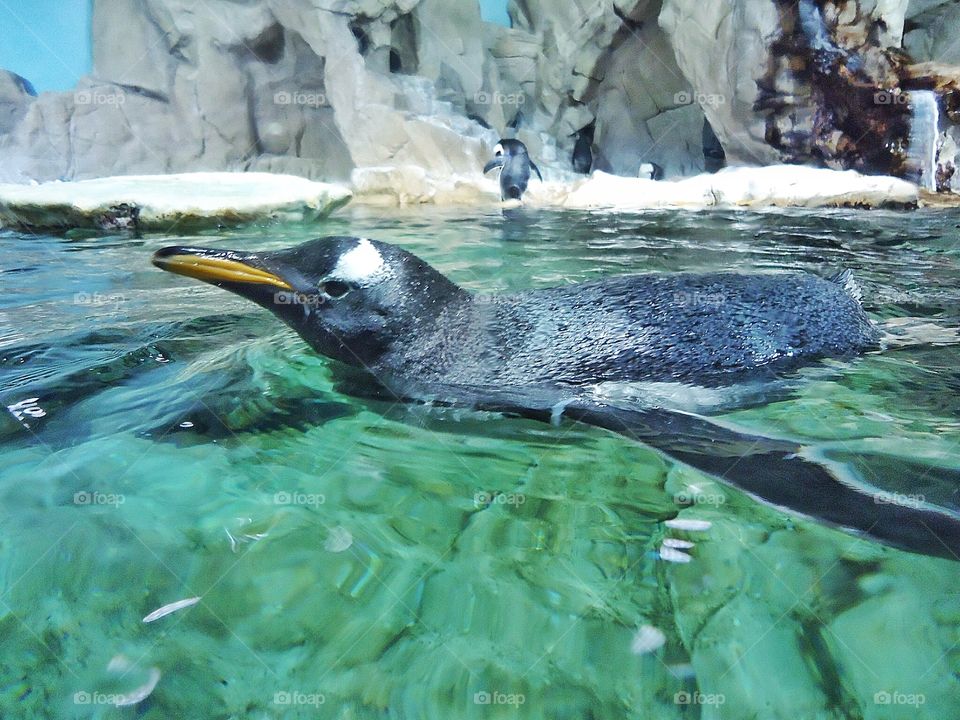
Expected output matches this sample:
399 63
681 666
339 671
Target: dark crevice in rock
143 92
403 45
269 46
363 40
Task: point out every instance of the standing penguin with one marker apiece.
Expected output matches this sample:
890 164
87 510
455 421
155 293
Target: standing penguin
582 159
515 164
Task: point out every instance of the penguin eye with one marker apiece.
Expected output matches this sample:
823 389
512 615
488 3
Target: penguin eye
335 289
498 150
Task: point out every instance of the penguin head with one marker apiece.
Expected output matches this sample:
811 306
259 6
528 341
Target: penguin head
352 299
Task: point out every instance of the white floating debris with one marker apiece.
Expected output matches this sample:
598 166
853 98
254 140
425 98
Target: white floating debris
688 524
338 540
121 664
679 544
171 608
647 639
682 671
673 555
141 693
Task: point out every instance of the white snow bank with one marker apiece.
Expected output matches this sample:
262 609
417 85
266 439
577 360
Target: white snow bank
161 202
743 187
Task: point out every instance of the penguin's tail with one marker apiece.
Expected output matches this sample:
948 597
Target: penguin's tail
848 282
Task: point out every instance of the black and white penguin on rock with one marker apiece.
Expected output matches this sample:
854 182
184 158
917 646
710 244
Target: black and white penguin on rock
511 156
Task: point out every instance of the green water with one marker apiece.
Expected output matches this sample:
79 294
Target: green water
348 559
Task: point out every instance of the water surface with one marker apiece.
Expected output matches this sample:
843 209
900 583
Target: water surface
358 559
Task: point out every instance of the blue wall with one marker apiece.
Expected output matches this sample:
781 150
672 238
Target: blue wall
495 11
46 41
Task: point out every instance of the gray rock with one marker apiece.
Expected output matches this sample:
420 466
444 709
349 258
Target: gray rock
16 94
322 87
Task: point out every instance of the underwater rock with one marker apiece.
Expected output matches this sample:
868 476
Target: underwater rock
161 202
899 679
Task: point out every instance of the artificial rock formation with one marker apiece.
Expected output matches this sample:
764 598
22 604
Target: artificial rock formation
814 81
328 88
319 89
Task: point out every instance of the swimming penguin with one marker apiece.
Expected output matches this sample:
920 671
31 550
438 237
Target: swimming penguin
544 353
514 162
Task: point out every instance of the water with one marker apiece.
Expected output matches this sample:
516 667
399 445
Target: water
924 131
361 560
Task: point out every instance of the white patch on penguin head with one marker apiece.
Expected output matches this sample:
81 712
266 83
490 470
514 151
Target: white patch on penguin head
362 264
498 150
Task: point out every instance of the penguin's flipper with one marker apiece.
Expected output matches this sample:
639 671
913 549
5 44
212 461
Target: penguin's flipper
497 162
536 169
777 472
780 473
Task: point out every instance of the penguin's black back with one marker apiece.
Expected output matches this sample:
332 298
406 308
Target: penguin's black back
706 329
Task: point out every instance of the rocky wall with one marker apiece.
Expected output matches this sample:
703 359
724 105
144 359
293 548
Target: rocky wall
319 88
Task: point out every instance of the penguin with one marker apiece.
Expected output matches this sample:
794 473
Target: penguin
582 159
384 313
650 171
714 157
514 161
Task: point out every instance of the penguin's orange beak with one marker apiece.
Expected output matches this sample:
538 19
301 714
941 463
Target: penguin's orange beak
213 267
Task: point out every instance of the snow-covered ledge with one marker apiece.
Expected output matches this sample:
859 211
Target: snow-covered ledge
163 202
746 187
741 187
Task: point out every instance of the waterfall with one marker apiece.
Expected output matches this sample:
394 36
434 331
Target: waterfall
924 132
